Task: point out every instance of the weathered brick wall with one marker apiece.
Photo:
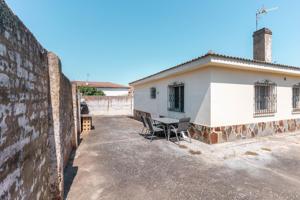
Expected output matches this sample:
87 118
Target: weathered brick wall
36 115
24 111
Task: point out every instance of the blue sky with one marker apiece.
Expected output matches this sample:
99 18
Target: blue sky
124 40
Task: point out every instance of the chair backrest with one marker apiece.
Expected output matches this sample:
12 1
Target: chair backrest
144 121
184 124
150 123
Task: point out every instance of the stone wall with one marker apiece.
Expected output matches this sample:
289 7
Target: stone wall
64 134
245 131
33 150
109 105
137 114
67 117
24 111
76 113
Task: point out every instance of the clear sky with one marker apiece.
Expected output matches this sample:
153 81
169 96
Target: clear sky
124 40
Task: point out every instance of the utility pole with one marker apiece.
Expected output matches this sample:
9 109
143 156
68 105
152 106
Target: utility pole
87 79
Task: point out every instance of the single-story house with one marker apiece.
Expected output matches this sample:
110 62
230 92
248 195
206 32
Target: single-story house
109 89
227 98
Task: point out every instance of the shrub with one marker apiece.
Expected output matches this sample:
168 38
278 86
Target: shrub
90 91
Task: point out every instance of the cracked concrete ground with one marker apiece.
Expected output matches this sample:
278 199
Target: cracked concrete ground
115 162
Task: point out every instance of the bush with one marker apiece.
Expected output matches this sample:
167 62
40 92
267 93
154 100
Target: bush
90 91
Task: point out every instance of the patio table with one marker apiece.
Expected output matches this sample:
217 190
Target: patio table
168 122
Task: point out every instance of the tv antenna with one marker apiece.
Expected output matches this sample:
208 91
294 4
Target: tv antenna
263 11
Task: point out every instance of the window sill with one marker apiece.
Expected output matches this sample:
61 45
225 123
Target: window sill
264 115
295 112
175 111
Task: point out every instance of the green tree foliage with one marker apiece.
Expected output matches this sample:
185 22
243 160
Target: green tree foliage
90 91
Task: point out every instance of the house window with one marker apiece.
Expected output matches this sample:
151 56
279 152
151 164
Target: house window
296 98
176 97
265 98
153 93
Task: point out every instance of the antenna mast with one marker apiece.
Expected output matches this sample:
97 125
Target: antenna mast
263 11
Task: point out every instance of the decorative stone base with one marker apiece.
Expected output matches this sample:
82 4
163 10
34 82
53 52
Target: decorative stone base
137 114
212 135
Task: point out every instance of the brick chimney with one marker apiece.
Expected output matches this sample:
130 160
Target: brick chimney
262 45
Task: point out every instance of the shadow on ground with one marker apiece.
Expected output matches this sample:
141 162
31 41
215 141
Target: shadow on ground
114 162
70 172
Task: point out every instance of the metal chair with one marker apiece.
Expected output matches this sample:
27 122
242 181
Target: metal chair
183 127
154 128
145 126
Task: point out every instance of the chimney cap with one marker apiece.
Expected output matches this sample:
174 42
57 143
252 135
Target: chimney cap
263 30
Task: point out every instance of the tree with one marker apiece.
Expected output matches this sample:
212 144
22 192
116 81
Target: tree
90 91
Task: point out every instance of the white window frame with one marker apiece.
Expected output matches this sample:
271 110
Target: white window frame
171 97
153 92
265 98
296 98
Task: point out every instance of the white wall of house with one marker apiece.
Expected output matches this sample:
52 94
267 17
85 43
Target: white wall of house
232 96
196 96
218 96
114 91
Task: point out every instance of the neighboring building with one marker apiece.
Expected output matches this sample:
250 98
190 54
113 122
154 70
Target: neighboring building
226 97
109 89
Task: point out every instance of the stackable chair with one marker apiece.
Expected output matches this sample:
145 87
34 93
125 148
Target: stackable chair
145 128
154 128
182 129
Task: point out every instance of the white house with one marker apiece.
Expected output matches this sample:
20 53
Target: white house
226 97
109 89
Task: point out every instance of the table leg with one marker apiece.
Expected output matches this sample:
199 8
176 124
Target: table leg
168 128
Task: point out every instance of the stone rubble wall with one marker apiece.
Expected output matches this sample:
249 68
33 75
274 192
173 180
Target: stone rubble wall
32 152
64 135
221 134
76 114
67 118
137 114
24 111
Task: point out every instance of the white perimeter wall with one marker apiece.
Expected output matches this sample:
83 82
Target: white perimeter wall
103 105
196 97
232 96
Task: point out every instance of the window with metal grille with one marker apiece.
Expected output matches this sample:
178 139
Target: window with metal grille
265 98
153 93
296 98
176 97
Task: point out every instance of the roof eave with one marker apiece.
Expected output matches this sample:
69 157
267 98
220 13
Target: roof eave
253 66
182 68
224 61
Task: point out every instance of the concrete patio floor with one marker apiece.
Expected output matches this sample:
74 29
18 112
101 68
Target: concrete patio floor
115 162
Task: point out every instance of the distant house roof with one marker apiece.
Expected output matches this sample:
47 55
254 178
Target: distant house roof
219 59
99 84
